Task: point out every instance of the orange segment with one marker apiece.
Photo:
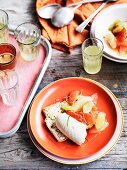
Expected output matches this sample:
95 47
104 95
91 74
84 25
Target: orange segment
101 122
73 96
88 107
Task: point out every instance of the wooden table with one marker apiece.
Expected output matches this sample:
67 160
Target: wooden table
18 151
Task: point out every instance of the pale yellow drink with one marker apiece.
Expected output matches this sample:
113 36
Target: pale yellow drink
28 51
6 58
28 38
4 33
92 57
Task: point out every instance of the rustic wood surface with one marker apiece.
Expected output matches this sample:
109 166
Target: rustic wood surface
18 151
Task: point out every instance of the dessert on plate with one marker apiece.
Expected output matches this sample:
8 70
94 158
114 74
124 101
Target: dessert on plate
74 117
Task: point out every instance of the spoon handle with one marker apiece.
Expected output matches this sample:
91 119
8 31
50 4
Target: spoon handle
81 27
77 6
84 1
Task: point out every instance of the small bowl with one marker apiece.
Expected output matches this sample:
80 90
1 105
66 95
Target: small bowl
7 56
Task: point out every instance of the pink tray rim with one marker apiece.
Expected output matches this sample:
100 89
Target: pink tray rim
45 64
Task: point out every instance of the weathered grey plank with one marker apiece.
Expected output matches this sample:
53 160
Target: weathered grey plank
18 152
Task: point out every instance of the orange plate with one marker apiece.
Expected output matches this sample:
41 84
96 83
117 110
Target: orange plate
56 91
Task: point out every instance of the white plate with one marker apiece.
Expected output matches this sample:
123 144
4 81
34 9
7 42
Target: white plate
100 153
106 55
101 24
113 59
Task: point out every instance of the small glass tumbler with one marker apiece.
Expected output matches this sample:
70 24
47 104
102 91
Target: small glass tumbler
7 56
4 31
92 52
28 38
9 87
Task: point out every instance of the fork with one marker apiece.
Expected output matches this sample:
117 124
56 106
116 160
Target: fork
81 27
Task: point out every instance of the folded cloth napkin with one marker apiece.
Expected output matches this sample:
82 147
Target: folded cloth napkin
66 38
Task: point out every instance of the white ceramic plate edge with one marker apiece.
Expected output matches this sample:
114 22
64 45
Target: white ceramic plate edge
92 32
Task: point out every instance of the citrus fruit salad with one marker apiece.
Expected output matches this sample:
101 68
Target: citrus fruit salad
117 36
84 109
74 117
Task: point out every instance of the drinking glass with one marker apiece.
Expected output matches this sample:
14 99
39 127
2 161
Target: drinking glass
7 56
4 32
28 38
9 87
92 52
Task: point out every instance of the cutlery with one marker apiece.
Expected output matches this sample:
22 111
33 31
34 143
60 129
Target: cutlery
81 27
48 11
86 1
63 16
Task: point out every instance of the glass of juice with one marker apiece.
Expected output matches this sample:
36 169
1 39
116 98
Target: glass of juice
28 38
92 52
4 32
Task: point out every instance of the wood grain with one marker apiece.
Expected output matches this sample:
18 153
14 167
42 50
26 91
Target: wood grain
18 151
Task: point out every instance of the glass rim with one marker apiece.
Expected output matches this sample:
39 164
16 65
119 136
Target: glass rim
6 64
16 83
24 24
7 18
93 39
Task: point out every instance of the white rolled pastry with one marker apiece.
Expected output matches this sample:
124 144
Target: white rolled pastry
70 127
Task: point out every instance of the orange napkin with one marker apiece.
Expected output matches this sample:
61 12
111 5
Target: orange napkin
66 38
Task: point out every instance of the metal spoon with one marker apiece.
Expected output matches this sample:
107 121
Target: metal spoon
47 11
64 15
81 27
84 1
